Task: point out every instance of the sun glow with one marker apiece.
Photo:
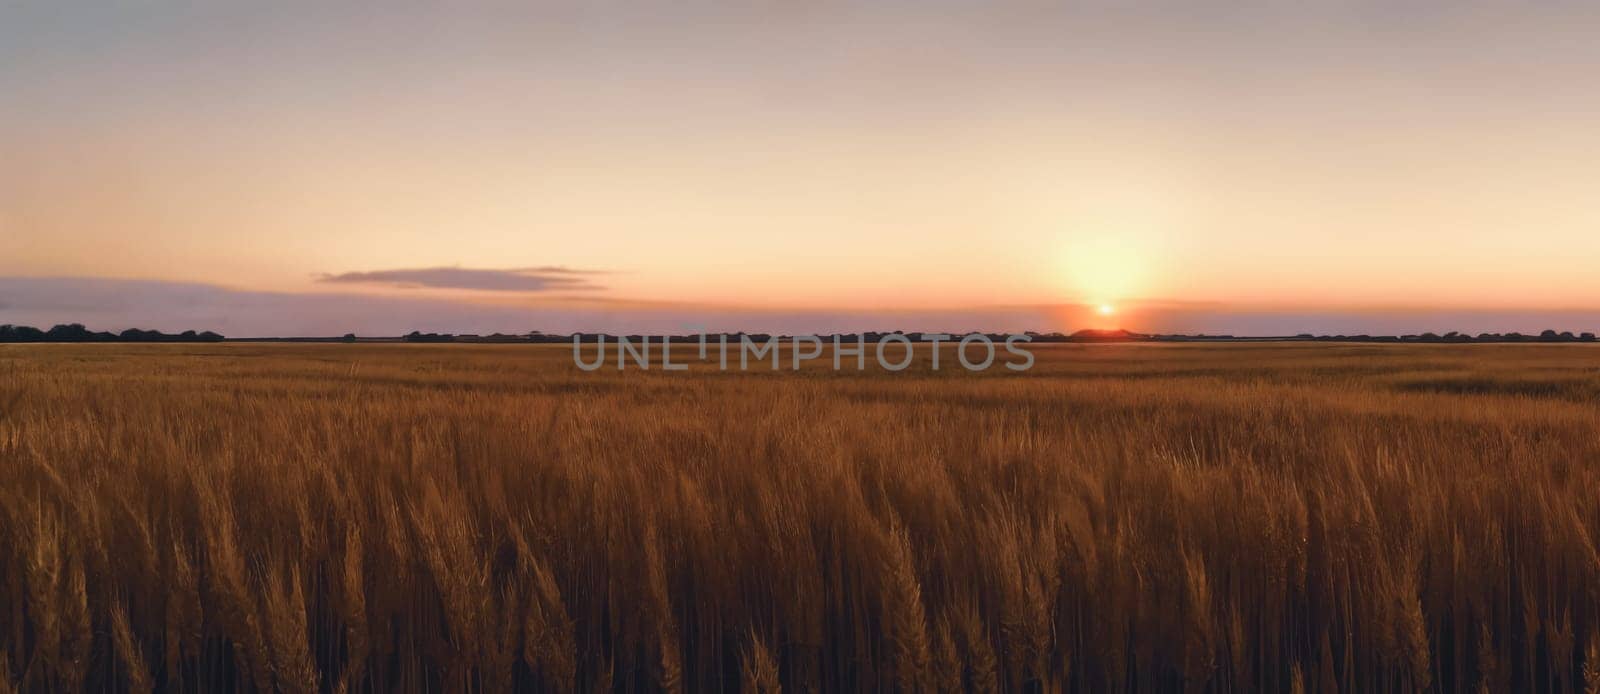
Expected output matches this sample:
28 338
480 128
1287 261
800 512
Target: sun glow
1104 270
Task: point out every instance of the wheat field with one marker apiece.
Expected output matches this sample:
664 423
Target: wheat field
1247 517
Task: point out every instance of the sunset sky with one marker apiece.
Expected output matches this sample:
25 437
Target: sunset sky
1255 168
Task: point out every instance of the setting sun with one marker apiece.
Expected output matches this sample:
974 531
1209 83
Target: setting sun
1106 309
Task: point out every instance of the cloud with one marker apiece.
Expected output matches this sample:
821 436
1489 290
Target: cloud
118 304
528 279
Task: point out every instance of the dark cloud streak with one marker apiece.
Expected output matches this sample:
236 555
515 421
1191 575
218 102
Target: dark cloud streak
532 279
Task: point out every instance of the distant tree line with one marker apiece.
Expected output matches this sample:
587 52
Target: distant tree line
1093 336
1079 336
75 332
1546 336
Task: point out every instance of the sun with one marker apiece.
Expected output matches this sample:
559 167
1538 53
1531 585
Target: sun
1102 269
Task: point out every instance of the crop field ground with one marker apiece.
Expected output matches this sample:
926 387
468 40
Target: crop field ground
1223 517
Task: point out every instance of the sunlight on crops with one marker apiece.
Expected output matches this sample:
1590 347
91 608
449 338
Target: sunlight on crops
382 517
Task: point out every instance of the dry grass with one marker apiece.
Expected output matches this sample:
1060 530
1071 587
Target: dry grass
406 517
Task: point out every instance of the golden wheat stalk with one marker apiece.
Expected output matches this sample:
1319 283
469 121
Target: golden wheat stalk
905 618
757 669
292 667
128 650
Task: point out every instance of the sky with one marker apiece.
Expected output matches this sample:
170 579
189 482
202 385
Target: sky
1238 167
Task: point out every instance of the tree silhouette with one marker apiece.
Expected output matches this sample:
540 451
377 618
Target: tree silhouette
75 332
